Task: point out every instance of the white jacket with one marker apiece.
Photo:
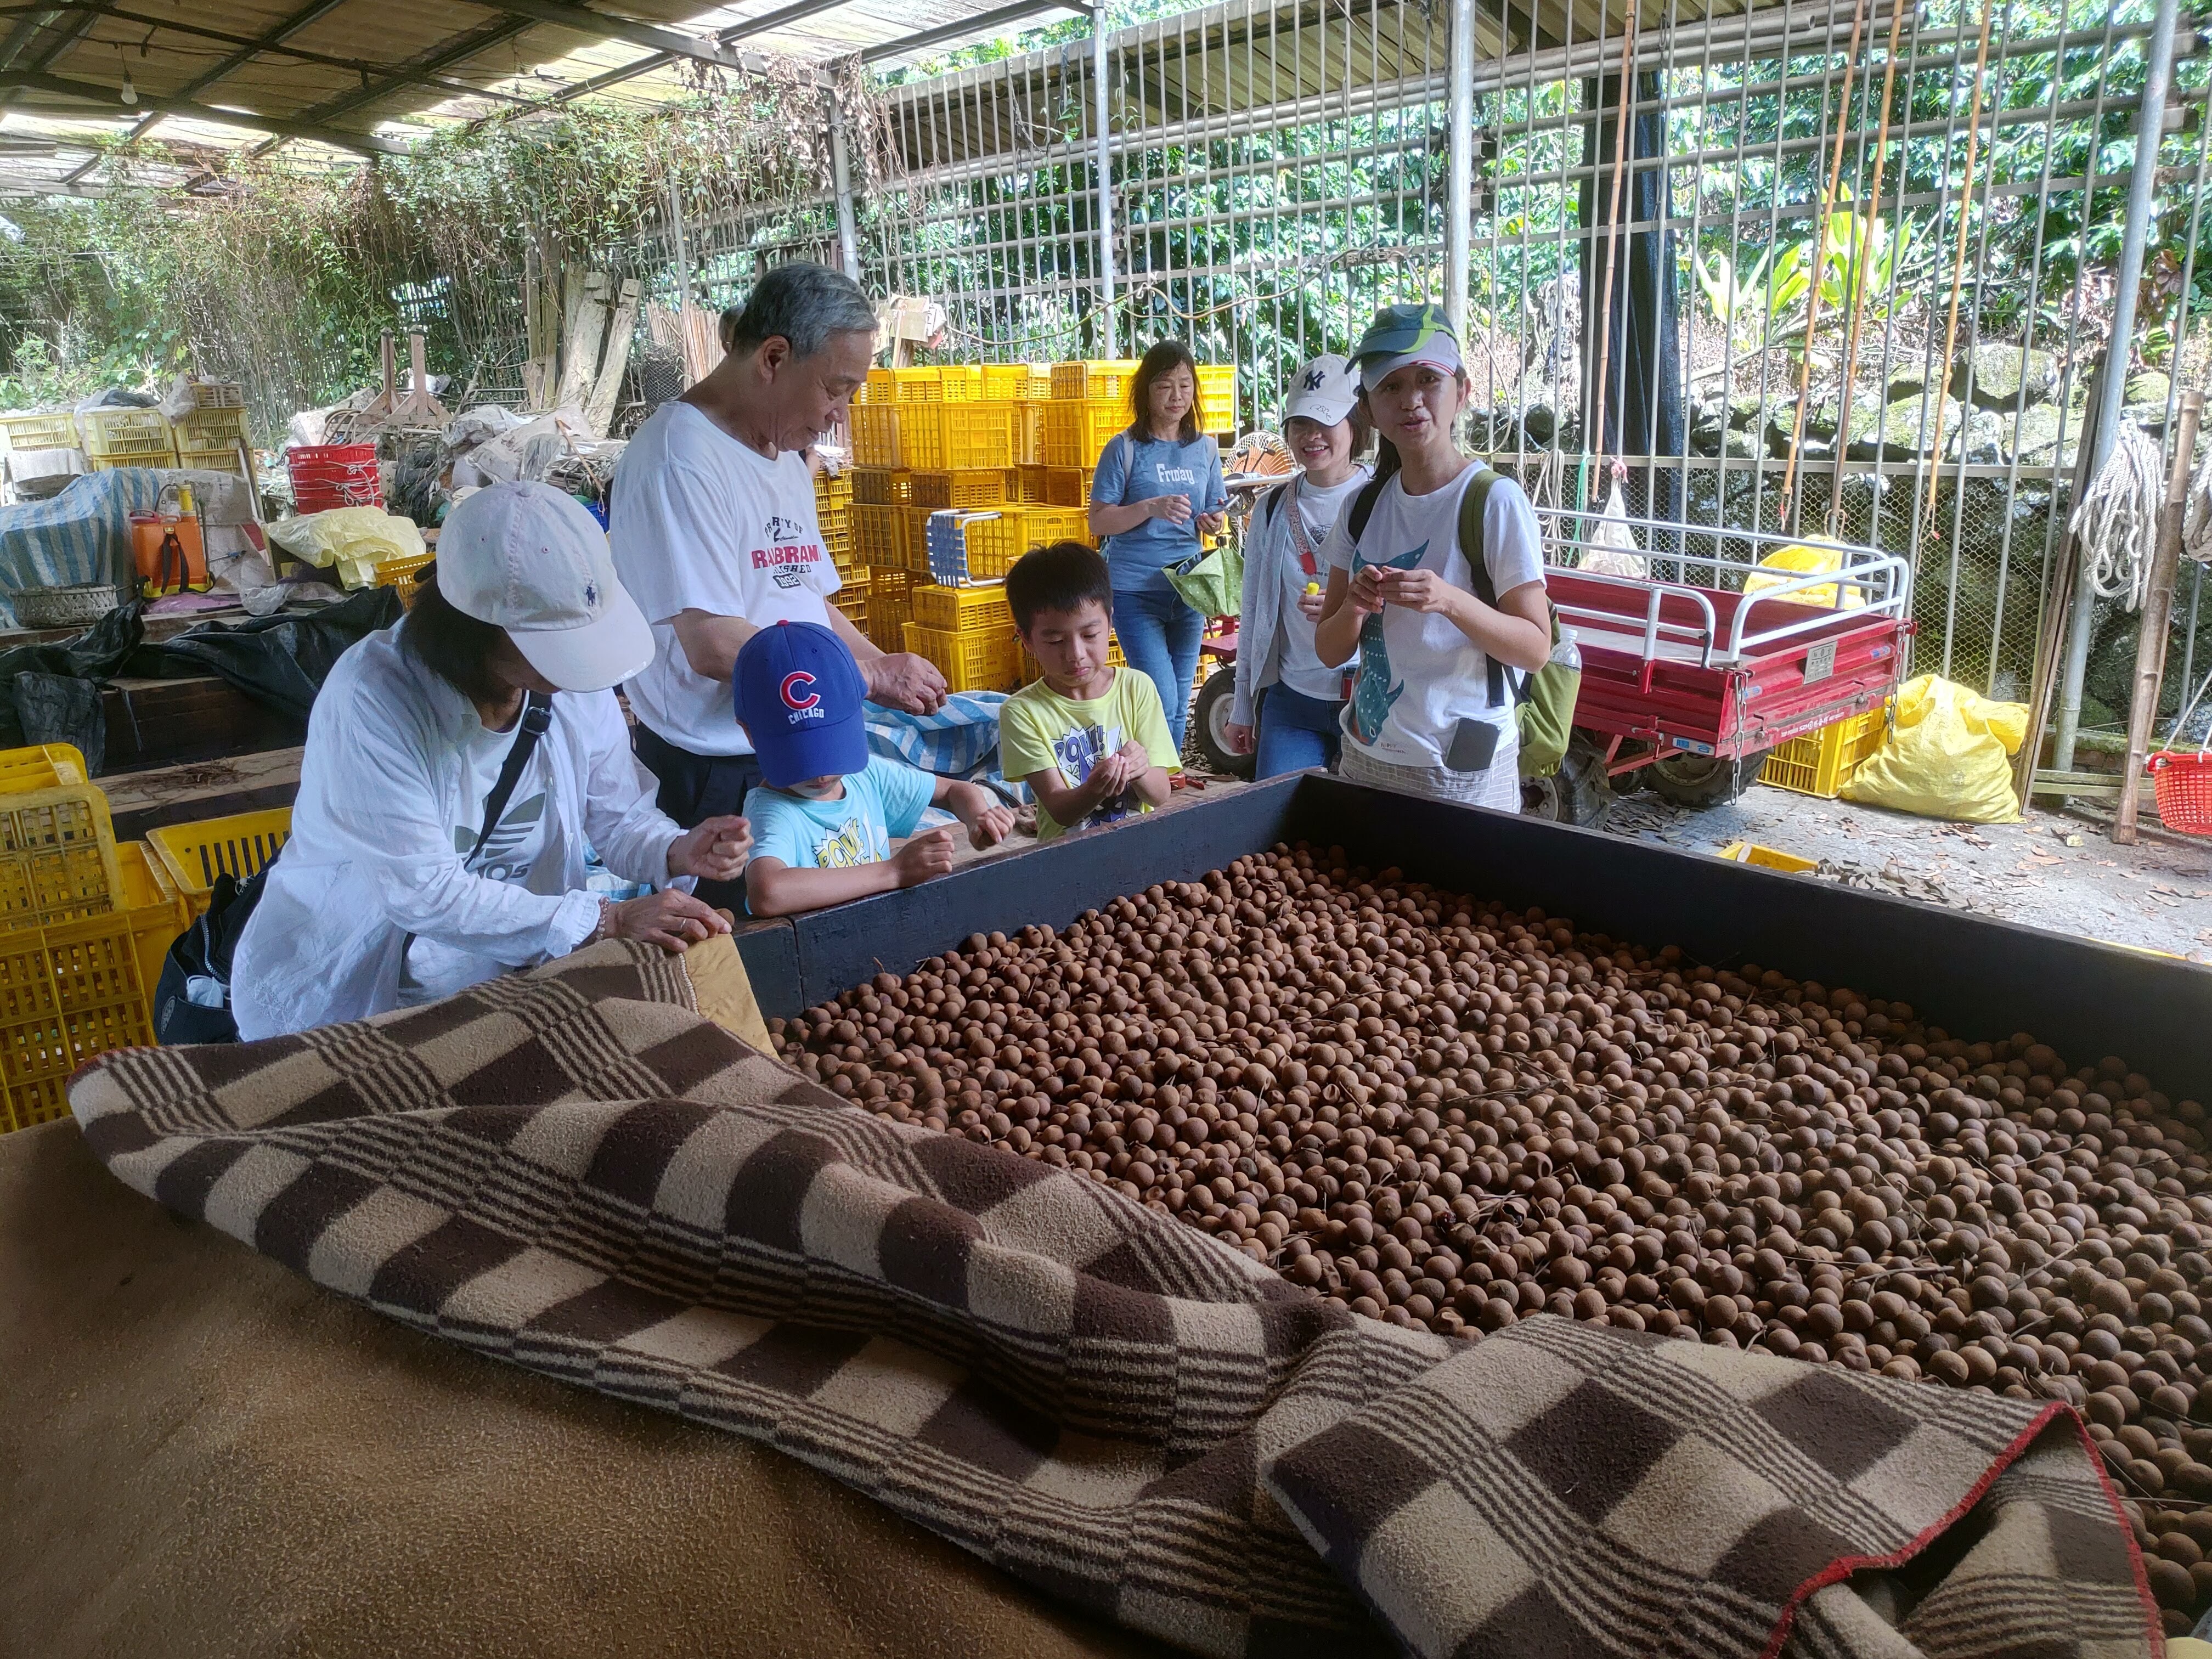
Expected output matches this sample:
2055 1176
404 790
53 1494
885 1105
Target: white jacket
371 860
1261 618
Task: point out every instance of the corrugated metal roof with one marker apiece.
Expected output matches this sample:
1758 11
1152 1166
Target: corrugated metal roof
336 77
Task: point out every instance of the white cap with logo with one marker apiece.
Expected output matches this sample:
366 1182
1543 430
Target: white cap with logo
1324 391
531 559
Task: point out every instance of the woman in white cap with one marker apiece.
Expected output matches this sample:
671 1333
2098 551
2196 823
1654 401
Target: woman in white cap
1282 689
1438 604
460 767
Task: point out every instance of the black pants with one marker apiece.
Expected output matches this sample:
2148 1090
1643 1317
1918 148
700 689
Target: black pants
697 787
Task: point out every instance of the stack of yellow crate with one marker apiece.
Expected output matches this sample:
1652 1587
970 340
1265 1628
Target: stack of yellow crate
968 633
84 925
1090 403
127 437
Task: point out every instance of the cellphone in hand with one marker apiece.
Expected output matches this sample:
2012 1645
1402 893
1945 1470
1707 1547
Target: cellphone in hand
1473 746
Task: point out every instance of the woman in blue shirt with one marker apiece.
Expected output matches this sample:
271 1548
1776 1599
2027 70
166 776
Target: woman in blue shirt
1158 486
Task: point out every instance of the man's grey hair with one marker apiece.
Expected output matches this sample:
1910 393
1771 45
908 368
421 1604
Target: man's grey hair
803 303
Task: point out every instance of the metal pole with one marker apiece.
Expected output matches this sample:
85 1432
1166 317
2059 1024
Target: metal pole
1457 273
841 166
2142 186
1105 156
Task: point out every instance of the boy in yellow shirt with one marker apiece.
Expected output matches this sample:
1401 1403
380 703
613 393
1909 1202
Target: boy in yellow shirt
1090 739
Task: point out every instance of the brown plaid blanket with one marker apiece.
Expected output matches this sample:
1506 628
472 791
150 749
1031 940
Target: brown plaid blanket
572 1172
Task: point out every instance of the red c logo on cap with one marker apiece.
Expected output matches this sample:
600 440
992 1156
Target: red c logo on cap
795 691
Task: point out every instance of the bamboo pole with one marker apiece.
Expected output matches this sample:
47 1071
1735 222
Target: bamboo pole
1959 260
1819 264
2157 617
1596 435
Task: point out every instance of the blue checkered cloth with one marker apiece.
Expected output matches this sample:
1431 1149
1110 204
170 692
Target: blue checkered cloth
80 536
960 740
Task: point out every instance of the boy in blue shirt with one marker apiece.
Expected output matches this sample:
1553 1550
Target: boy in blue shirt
825 817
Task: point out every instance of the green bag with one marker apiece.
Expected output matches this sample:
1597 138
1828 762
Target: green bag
1211 583
1544 701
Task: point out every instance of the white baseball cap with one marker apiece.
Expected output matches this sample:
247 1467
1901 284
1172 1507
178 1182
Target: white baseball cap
1325 390
531 560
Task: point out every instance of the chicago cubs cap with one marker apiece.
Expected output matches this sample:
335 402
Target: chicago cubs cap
799 692
531 560
1323 391
1406 334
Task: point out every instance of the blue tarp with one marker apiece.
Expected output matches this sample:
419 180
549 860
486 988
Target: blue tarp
960 740
82 535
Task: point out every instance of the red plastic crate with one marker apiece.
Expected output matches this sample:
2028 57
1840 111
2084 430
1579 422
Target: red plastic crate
325 475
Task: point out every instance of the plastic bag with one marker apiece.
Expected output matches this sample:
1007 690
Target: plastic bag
1613 550
1213 583
1949 756
353 540
1803 561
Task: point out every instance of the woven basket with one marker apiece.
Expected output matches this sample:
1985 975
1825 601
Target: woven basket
77 606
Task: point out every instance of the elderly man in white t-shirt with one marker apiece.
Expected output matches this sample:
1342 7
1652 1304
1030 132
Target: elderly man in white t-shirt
715 534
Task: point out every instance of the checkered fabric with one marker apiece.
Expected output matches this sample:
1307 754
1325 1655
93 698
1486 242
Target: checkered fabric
1570 1488
571 1171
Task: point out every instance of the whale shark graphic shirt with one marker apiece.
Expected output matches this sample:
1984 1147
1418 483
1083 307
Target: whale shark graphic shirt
1418 675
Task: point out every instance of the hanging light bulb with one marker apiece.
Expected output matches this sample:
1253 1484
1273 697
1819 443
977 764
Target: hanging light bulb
129 90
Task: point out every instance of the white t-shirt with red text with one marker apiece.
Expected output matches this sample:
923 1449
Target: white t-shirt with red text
701 522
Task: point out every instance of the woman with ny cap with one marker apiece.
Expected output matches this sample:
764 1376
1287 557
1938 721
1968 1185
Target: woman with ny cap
461 765
1430 711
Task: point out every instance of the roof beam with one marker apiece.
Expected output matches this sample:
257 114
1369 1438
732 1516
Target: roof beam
89 92
584 21
453 51
980 23
782 18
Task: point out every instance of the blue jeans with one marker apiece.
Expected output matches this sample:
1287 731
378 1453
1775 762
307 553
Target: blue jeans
1159 636
1295 732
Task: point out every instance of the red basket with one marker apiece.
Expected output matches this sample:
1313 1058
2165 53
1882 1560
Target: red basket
2183 786
325 476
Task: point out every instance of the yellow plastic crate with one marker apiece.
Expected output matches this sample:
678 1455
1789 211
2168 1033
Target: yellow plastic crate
1217 398
194 854
69 991
959 610
1067 486
112 435
993 545
56 855
40 431
969 661
165 460
878 486
878 533
1029 433
1095 379
220 430
1822 762
833 492
951 437
1030 484
1017 382
976 487
876 435
156 911
890 606
41 766
1766 858
1075 433
914 538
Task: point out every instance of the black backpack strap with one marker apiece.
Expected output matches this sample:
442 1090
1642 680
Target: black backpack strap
1272 502
1472 505
1363 507
537 716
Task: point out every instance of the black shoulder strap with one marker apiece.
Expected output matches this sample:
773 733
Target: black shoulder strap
537 715
1363 507
1271 503
1473 504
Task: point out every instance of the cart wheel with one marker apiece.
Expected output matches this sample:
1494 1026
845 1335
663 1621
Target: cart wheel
1579 793
1209 725
1702 781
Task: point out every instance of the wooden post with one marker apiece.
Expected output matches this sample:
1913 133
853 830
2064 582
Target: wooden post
2157 616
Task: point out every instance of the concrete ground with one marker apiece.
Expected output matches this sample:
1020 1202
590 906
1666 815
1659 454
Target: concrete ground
2051 869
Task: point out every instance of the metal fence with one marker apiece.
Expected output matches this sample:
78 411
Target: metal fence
1857 260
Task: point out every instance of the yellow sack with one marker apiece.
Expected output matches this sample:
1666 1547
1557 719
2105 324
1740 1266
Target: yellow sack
1802 561
356 539
1949 756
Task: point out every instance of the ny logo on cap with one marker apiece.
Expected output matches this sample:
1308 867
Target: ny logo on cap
1314 380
